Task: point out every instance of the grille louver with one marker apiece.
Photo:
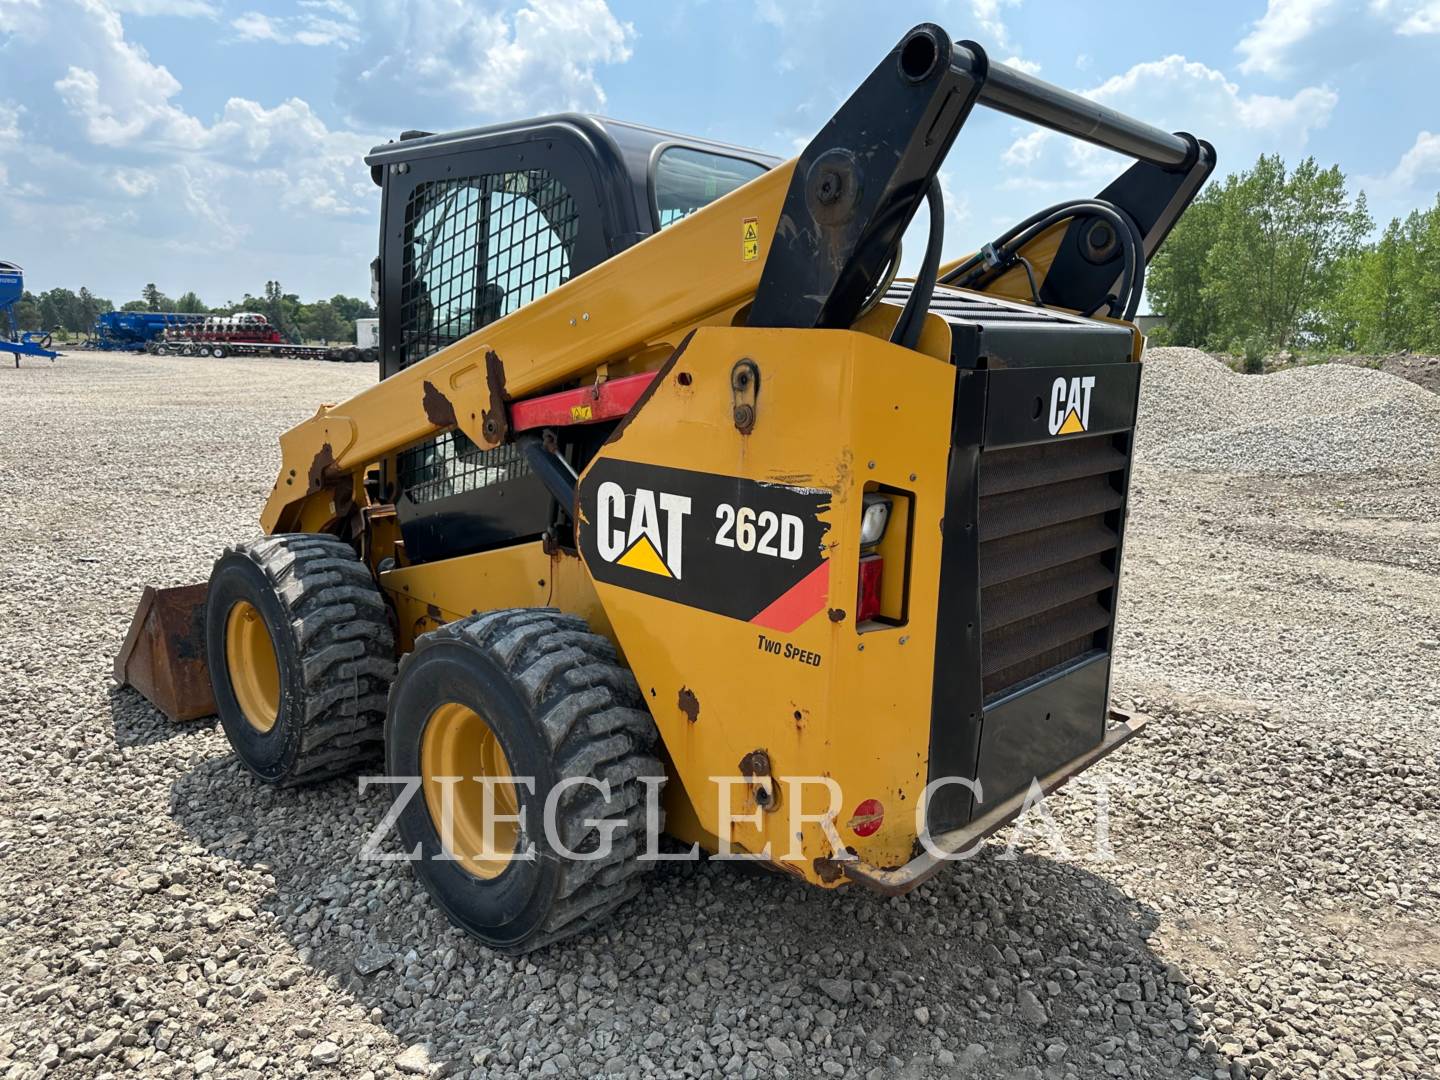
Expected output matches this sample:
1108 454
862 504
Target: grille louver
1049 530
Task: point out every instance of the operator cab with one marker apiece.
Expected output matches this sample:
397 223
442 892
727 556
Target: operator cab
475 224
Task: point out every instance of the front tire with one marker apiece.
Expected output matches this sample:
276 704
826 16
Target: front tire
301 656
529 693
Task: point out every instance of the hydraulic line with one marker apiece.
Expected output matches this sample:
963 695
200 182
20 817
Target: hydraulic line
907 328
1000 254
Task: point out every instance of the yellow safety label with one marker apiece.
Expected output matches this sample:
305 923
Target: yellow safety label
580 412
750 239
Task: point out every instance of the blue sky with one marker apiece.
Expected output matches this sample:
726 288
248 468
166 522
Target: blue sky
212 144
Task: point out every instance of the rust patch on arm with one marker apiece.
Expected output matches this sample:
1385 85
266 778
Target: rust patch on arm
689 704
439 410
322 469
494 421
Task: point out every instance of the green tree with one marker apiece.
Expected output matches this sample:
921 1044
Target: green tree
1368 309
190 304
1420 275
1280 241
321 322
351 308
1178 277
134 305
1262 259
59 308
26 314
280 307
90 308
155 300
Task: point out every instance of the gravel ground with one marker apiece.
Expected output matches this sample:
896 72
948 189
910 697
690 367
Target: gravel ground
1269 908
1417 367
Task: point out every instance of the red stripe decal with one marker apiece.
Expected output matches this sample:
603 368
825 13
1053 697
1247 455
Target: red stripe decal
583 405
797 603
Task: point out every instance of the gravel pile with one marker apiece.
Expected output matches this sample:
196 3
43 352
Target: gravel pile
1199 414
1269 908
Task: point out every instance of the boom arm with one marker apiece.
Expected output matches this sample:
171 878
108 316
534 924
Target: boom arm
649 295
830 223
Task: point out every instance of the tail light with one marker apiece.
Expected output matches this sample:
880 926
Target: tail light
874 516
867 605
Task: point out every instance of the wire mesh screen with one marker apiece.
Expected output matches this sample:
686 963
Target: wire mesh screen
450 464
478 248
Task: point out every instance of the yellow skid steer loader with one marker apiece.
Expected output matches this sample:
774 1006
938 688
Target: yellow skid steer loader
673 509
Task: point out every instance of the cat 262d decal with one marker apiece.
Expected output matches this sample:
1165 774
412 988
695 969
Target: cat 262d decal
740 548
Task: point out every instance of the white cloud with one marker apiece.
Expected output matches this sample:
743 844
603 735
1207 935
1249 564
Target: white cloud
335 7
134 182
957 202
253 26
1421 160
1411 183
987 13
1411 17
184 8
108 142
1415 177
995 35
1026 149
436 63
1284 25
1182 94
303 29
1272 45
9 136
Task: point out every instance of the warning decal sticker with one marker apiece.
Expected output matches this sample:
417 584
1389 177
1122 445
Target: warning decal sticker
736 547
750 239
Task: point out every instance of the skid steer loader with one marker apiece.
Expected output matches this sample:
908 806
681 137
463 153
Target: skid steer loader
673 500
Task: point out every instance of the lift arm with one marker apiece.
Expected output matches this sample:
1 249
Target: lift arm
829 221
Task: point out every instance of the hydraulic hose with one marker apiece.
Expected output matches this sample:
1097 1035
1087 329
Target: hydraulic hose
907 328
1000 254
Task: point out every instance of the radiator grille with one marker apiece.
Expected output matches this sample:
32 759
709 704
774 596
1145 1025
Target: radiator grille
1049 532
451 464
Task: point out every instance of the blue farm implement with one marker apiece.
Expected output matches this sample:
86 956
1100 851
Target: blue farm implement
166 333
21 343
134 331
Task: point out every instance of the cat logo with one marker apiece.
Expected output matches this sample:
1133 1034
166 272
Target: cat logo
643 546
1070 405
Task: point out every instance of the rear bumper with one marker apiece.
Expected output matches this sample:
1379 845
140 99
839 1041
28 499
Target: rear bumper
1122 727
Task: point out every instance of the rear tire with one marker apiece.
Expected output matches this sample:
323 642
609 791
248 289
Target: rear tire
553 698
301 656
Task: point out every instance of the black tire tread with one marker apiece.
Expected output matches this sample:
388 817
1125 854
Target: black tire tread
347 649
594 719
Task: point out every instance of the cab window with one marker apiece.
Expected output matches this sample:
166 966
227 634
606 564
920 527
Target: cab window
687 179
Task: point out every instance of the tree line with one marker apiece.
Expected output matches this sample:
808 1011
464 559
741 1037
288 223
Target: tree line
1280 259
75 313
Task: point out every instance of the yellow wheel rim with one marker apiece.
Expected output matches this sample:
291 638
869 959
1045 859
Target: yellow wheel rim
254 671
459 743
